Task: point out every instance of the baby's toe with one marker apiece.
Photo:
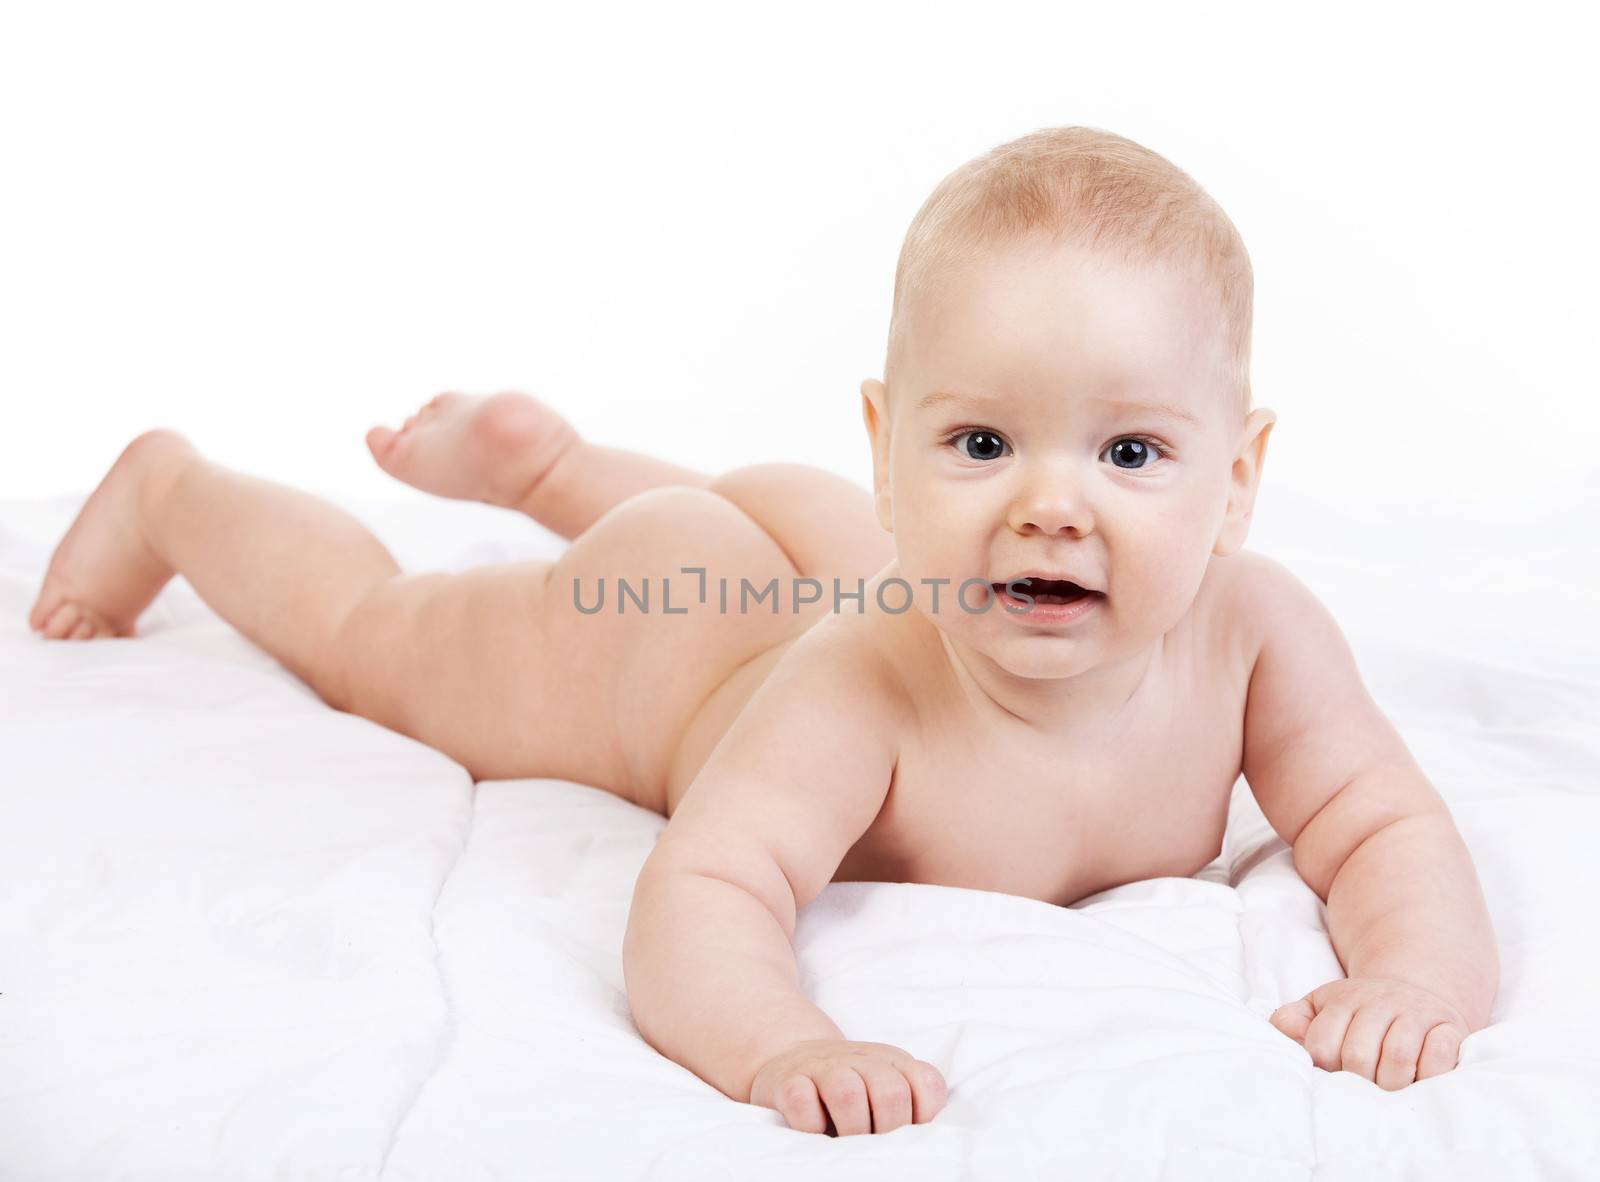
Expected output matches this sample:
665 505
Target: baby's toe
62 621
39 614
379 441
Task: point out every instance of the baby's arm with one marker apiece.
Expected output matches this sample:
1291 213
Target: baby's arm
1374 839
708 956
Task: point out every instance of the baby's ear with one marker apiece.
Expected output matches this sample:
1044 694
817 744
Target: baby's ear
875 413
1244 478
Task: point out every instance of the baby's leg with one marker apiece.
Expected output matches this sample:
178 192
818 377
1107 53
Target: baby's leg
517 452
424 654
498 666
280 565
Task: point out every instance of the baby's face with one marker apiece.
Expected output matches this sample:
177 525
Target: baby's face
1058 411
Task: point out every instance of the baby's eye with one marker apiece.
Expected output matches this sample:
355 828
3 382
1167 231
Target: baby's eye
981 444
1130 454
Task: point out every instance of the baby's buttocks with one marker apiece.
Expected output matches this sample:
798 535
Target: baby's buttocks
674 637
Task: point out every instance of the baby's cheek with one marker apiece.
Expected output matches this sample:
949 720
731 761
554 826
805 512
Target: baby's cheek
930 550
1150 600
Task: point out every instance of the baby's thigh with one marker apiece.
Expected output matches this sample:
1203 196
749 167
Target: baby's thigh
586 669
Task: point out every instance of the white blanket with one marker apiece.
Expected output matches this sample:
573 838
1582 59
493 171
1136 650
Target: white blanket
245 936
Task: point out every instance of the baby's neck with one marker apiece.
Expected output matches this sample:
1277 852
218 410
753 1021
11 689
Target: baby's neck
1091 700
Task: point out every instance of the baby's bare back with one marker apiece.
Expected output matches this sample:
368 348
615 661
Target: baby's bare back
979 799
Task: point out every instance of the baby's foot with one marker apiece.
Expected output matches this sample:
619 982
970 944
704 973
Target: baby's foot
494 448
104 572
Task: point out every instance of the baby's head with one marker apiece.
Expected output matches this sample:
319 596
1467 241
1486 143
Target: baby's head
1067 390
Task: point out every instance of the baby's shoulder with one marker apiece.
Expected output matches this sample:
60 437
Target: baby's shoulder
853 655
1242 597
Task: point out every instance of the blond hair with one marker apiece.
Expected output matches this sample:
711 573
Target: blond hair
1090 188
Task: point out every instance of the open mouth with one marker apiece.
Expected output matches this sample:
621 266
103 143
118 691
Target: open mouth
1047 590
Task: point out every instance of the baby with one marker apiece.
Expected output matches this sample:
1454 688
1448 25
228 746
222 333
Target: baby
1034 660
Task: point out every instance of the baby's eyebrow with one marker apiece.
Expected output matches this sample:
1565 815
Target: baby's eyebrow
940 397
1158 410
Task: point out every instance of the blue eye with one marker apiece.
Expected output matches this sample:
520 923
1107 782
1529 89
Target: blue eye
984 444
1130 454
1134 451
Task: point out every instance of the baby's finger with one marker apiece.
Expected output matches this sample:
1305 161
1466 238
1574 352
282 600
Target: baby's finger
928 1090
888 1095
844 1093
1363 1039
1325 1036
1293 1018
1441 1050
800 1105
1397 1063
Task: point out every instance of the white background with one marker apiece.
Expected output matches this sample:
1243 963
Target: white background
273 226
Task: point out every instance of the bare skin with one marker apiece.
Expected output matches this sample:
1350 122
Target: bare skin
877 743
163 508
929 830
501 448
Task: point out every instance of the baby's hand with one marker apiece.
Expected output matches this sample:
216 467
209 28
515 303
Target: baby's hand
1391 1032
840 1087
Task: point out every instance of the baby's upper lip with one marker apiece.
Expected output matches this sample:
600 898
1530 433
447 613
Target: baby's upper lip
1062 576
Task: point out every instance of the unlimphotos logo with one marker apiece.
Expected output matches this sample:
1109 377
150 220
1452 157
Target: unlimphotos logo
893 596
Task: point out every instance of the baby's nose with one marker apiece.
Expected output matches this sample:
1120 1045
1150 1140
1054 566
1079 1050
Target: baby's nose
1051 503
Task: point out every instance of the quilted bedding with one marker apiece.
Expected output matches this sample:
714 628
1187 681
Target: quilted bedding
245 936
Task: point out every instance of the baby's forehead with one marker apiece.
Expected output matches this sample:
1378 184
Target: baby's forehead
1125 323
1102 297
1178 412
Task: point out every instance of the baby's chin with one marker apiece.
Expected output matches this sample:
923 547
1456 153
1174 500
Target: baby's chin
1018 649
1044 658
